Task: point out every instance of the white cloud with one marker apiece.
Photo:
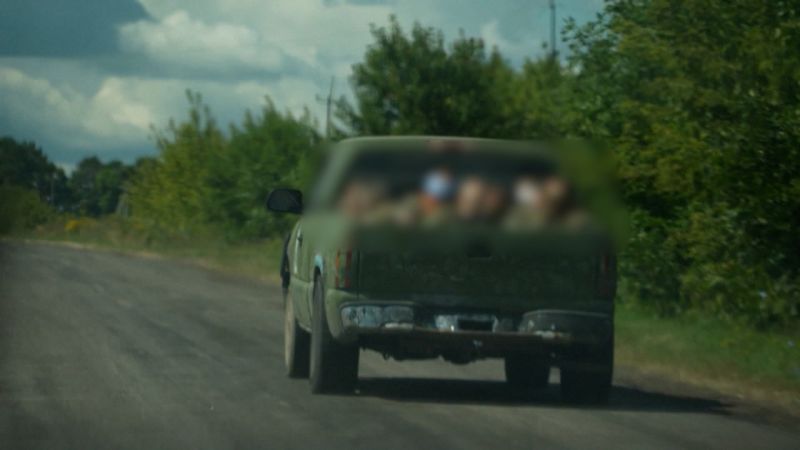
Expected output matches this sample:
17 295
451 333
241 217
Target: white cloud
516 50
62 112
314 32
180 40
122 109
326 36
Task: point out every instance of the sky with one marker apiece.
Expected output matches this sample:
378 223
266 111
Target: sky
92 77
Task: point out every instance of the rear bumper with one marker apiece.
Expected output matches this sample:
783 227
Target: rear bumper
408 330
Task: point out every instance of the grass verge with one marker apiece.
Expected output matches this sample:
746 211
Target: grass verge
707 352
259 258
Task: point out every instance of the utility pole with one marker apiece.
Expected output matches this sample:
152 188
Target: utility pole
553 51
328 111
53 189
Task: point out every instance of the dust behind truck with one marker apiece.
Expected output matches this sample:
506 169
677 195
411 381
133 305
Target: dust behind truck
453 248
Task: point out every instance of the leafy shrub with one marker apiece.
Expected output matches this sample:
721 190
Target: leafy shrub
21 209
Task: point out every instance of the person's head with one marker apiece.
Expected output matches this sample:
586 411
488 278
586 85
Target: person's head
528 193
438 184
557 196
469 200
437 188
359 196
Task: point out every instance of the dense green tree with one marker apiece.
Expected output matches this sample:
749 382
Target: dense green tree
96 187
265 151
83 183
21 209
415 84
23 164
536 101
173 191
701 104
205 179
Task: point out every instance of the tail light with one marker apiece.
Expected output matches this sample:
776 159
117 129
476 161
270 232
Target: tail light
344 267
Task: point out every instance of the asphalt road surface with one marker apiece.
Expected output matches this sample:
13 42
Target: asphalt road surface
103 350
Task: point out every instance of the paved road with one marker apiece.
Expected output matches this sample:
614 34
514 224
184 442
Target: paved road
101 350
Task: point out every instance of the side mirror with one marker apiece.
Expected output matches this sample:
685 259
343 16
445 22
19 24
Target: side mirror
285 200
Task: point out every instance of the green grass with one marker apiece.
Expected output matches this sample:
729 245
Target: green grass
258 258
693 347
712 352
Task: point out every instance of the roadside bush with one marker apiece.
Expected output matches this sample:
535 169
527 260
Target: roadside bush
700 104
206 182
21 209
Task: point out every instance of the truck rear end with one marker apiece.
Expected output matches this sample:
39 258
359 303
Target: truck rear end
469 294
463 249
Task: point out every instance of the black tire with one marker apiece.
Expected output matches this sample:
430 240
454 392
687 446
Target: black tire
525 372
286 274
334 366
296 344
586 387
583 386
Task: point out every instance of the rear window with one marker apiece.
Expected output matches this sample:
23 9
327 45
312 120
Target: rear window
400 173
416 187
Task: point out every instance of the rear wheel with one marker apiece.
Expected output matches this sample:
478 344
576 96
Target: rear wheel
524 372
334 366
286 275
589 386
296 344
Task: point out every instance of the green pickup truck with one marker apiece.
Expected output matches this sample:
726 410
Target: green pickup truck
459 248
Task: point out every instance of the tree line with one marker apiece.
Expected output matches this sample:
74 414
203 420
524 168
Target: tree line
699 104
33 188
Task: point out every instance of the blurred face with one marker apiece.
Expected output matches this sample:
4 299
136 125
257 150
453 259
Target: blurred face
528 193
359 196
555 190
438 185
470 197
